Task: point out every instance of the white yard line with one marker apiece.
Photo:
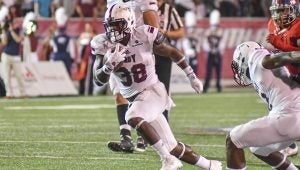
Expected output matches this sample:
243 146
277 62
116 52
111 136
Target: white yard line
61 157
61 107
95 142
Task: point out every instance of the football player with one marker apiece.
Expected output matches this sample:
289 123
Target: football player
145 10
127 55
266 136
284 34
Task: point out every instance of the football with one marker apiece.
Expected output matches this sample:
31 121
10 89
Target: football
116 67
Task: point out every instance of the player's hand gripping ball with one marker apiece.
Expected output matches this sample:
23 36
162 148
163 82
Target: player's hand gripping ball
114 57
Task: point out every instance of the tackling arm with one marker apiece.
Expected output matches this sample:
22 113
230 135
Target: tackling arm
280 59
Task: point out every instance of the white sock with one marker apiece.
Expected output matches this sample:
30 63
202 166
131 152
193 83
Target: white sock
161 149
203 163
291 167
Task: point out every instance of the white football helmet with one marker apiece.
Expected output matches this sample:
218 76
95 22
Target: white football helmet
239 63
119 22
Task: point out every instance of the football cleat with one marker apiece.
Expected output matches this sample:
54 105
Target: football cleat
291 150
170 162
140 144
123 146
215 165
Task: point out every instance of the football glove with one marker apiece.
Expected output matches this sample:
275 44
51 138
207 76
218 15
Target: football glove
194 81
113 58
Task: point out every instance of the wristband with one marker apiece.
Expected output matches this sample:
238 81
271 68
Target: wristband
188 70
181 60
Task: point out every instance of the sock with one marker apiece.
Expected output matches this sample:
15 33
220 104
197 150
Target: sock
161 149
291 167
293 145
203 163
121 111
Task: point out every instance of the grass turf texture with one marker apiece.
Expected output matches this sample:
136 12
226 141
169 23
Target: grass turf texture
72 132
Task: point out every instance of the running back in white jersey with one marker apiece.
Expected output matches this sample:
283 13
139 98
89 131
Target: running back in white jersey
274 86
139 6
138 69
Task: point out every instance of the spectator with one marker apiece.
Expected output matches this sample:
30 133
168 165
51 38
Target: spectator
27 6
183 6
11 57
30 39
61 43
85 66
42 8
46 47
214 47
86 8
228 8
68 5
199 9
101 8
191 43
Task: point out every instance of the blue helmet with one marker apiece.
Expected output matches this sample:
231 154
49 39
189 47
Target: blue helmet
283 12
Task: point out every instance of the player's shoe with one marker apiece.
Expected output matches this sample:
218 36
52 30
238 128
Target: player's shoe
125 145
215 165
170 162
292 150
141 144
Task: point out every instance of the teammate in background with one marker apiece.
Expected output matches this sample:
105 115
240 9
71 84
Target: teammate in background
266 136
171 25
127 55
284 34
145 12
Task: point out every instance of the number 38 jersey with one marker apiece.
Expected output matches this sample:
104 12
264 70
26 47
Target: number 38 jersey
274 86
138 70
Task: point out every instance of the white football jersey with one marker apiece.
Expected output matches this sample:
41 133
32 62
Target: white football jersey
274 86
138 69
138 6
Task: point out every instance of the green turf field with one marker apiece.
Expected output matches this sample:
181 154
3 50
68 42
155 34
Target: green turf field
71 132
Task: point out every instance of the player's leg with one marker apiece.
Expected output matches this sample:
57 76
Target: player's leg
235 157
218 73
181 150
268 130
209 67
277 160
125 143
144 108
163 68
152 137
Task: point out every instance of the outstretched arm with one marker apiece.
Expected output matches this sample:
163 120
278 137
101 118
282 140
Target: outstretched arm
164 49
281 59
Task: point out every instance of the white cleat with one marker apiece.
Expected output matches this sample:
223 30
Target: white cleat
215 165
171 163
290 151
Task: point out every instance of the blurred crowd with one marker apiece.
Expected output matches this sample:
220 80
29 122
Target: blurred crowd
96 8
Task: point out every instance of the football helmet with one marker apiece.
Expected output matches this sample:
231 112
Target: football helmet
239 63
283 12
119 22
